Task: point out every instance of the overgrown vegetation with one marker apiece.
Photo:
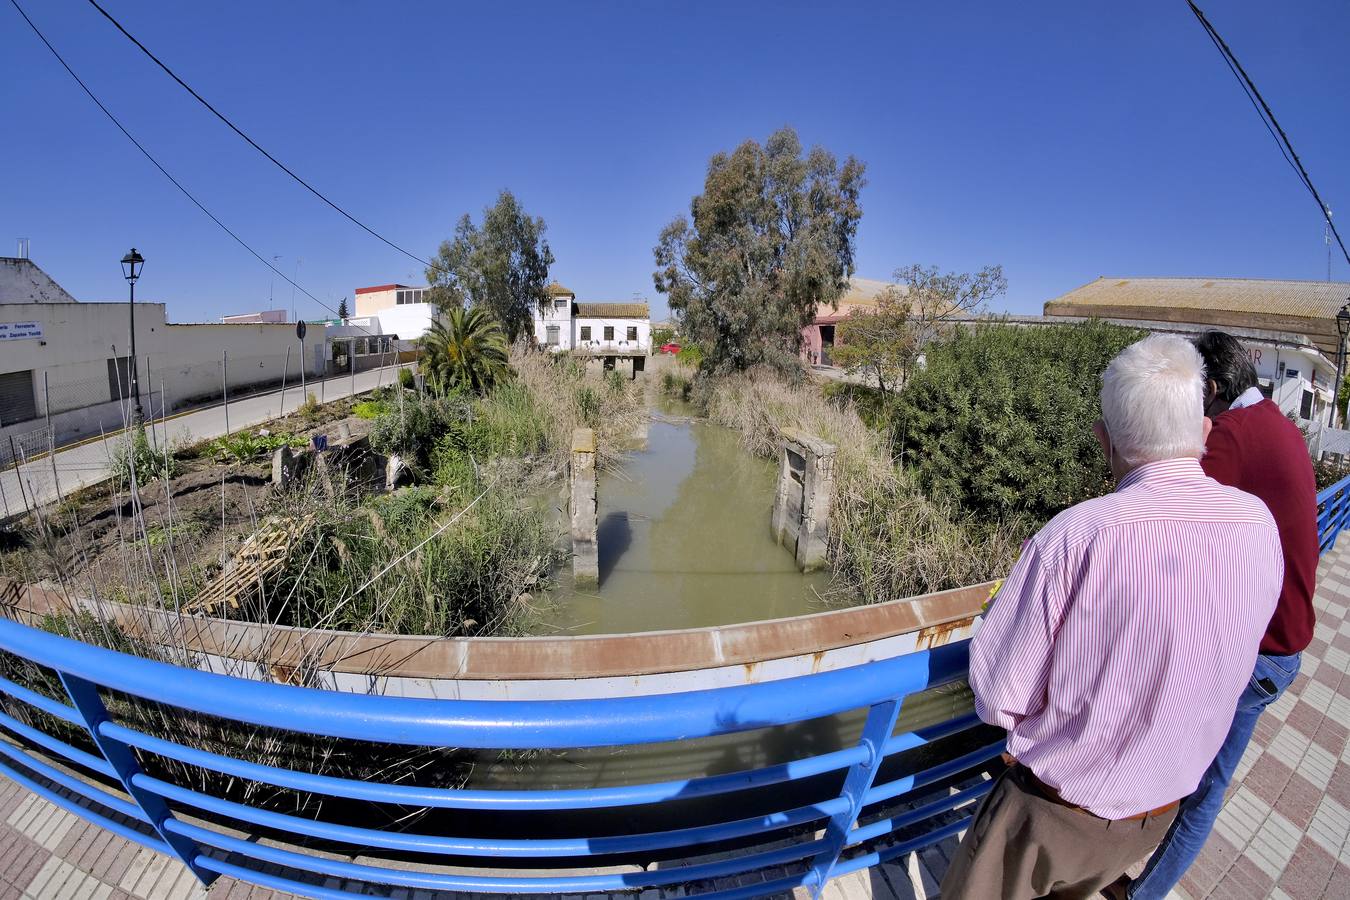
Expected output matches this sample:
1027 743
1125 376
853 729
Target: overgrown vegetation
135 458
999 418
244 446
887 539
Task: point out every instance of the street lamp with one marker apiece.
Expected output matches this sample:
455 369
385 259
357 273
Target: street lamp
132 264
1342 326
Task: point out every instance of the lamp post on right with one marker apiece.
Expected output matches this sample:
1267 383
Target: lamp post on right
131 270
1343 327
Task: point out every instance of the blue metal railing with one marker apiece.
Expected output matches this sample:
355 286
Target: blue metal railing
1333 511
202 830
798 844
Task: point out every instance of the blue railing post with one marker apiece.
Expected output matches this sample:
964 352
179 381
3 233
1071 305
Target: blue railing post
84 695
876 731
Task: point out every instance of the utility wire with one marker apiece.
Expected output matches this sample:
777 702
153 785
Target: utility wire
256 146
1268 119
165 172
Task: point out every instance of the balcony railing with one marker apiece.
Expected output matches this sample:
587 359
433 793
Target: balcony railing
864 819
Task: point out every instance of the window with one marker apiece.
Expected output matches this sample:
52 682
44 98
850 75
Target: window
585 332
411 295
632 332
553 335
119 378
609 332
560 303
360 347
18 400
1305 409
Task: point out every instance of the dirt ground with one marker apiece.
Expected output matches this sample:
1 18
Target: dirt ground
93 542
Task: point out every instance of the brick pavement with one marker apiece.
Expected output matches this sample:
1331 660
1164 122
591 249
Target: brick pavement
1283 834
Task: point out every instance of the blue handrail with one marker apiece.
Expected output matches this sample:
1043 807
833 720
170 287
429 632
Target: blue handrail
803 842
860 825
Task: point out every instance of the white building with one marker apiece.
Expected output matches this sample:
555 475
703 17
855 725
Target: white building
69 360
595 329
389 317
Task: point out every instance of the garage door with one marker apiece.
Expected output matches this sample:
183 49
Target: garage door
18 401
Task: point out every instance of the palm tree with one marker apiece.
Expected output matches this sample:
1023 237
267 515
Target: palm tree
465 349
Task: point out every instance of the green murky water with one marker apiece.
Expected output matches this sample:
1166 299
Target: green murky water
684 540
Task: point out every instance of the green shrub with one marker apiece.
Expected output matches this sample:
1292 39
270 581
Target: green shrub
135 454
690 355
370 409
999 419
406 379
413 428
244 446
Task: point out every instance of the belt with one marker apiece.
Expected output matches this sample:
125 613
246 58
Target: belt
1046 792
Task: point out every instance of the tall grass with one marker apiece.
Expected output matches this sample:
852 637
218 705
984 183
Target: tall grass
887 540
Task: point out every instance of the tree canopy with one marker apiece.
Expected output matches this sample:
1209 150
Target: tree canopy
501 267
884 344
466 350
770 239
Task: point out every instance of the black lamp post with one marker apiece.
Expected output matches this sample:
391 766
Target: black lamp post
1342 326
132 264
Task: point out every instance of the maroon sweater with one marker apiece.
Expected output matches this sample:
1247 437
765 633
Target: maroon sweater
1258 450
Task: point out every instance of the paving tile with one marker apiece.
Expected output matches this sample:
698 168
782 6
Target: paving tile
1274 844
1330 825
1298 801
1332 735
1241 817
43 822
1304 716
1309 871
1267 777
59 880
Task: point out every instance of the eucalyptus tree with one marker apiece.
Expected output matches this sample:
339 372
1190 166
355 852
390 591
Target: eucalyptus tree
501 266
768 242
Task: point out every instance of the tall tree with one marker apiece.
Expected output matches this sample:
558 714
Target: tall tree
771 240
342 308
501 267
884 344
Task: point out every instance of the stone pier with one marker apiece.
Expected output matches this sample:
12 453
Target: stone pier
585 519
801 505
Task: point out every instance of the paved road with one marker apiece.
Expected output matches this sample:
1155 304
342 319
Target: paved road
86 464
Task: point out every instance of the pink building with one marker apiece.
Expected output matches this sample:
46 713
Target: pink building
820 337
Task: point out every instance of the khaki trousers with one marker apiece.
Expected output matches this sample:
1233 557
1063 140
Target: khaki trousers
1021 846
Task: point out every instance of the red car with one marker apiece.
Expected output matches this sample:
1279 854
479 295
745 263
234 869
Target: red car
669 348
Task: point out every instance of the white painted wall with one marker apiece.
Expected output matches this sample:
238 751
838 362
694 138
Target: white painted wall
620 342
558 314
180 365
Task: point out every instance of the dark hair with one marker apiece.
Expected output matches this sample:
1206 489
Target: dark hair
1227 364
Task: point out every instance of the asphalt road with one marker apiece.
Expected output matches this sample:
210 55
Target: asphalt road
85 464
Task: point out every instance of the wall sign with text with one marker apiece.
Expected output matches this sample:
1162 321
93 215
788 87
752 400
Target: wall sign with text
17 331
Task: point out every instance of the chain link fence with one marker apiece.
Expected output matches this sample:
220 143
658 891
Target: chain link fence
60 433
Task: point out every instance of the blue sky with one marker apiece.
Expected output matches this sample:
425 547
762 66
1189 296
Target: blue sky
1064 140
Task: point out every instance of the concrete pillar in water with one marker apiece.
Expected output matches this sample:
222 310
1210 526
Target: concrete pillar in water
585 519
801 504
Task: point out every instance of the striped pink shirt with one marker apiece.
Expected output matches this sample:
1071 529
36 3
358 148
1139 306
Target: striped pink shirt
1115 652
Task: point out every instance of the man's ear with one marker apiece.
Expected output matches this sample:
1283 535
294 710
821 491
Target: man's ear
1207 428
1103 437
1211 391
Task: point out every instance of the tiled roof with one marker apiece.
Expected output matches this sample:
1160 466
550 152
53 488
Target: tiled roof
613 310
1299 299
557 290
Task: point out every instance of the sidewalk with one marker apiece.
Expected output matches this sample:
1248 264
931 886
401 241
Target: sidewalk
87 463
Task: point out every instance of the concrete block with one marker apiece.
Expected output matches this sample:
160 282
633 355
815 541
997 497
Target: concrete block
801 508
584 504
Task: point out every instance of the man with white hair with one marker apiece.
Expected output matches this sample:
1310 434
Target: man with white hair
1117 648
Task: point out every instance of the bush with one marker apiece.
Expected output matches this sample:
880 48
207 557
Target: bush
370 409
690 355
1000 417
244 446
406 379
134 454
414 428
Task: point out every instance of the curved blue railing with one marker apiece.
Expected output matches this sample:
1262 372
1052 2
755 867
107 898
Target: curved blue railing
803 844
797 845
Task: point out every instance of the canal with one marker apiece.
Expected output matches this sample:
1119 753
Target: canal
684 539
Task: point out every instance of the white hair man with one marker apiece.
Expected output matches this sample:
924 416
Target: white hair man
1117 648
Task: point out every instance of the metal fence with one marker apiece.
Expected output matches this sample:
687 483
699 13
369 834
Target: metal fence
856 826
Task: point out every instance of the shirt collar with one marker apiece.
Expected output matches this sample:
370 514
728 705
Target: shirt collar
1250 397
1162 470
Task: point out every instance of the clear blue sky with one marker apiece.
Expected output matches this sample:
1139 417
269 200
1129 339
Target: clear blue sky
1063 140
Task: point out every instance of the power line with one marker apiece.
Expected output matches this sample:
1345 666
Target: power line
165 172
256 146
1268 119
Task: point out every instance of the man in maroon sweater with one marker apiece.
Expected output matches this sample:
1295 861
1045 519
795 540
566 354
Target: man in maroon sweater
1254 448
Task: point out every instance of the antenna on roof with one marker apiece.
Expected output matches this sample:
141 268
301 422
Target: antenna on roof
1326 239
23 248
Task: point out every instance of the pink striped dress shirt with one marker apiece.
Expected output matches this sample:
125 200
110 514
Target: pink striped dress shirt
1115 652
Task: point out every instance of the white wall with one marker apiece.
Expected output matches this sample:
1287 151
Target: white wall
620 343
178 365
559 317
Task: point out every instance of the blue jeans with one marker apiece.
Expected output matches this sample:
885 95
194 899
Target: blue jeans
1191 829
